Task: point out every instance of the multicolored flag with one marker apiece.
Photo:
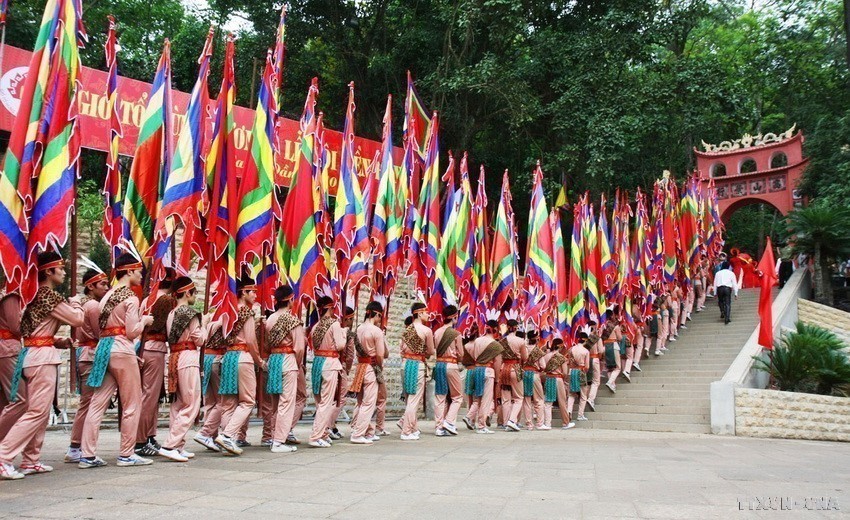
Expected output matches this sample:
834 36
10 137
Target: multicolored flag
609 268
575 289
540 265
453 260
255 223
425 240
54 164
152 160
689 226
4 9
389 216
417 124
444 277
279 54
351 238
595 300
113 216
504 255
479 286
223 201
300 255
561 293
185 185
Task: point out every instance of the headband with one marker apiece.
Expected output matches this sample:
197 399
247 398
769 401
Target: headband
186 288
248 288
349 314
51 265
450 316
100 277
130 267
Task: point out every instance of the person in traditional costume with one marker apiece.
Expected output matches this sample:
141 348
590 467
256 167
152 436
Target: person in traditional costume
115 365
556 368
596 351
11 310
417 346
238 377
532 386
511 377
370 346
485 352
328 337
186 331
589 341
448 390
153 350
212 353
612 336
633 355
37 368
287 341
346 358
96 285
301 397
578 361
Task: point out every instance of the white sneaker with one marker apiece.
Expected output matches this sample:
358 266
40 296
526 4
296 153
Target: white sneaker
73 455
441 432
484 430
569 426
611 387
228 444
383 433
636 366
468 423
360 440
544 427
410 437
8 472
268 443
581 418
627 376
592 405
292 439
512 426
96 462
187 454
319 444
207 442
173 455
449 427
659 353
335 436
133 460
673 338
283 448
34 469
373 438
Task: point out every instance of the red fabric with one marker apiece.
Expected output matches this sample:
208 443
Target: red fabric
768 280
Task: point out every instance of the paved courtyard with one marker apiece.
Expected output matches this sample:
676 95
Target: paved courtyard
556 474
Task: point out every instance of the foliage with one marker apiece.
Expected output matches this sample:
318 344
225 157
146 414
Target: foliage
606 92
748 226
809 359
823 231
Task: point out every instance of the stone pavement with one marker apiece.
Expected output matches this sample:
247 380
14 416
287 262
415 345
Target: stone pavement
556 474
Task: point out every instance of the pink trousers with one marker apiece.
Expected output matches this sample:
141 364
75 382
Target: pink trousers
532 406
184 408
236 409
361 423
595 380
153 374
212 404
10 412
268 410
512 399
300 397
27 434
285 417
325 404
381 406
445 412
409 422
122 374
86 393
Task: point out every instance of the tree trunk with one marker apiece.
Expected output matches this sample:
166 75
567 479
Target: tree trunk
847 31
823 283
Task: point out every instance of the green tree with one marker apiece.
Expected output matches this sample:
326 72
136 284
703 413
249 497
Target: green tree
822 231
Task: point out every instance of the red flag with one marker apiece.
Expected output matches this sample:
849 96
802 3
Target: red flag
767 267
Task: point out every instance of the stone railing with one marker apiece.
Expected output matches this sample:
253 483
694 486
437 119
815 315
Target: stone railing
741 373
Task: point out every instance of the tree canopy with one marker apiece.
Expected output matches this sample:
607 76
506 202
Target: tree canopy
606 92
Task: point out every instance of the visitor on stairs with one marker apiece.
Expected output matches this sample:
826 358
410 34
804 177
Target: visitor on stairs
725 284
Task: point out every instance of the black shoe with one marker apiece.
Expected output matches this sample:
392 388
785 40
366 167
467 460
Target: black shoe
146 450
728 321
242 443
152 442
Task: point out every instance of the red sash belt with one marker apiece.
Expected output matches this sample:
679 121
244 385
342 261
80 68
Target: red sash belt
155 337
414 357
531 368
486 365
283 350
38 341
510 361
113 331
215 351
366 360
447 359
8 334
326 353
185 345
596 356
239 347
87 343
554 374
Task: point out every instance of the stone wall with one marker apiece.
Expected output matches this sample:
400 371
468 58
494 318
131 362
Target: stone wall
791 415
827 317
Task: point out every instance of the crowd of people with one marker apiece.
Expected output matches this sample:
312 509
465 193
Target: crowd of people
514 375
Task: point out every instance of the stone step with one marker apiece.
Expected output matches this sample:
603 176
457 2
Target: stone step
657 393
684 385
672 377
645 426
653 401
674 372
659 417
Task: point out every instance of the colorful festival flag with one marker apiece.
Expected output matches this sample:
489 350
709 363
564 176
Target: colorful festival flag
540 267
113 216
152 160
575 289
561 292
504 255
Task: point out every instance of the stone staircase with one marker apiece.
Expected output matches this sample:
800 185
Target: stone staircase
671 394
